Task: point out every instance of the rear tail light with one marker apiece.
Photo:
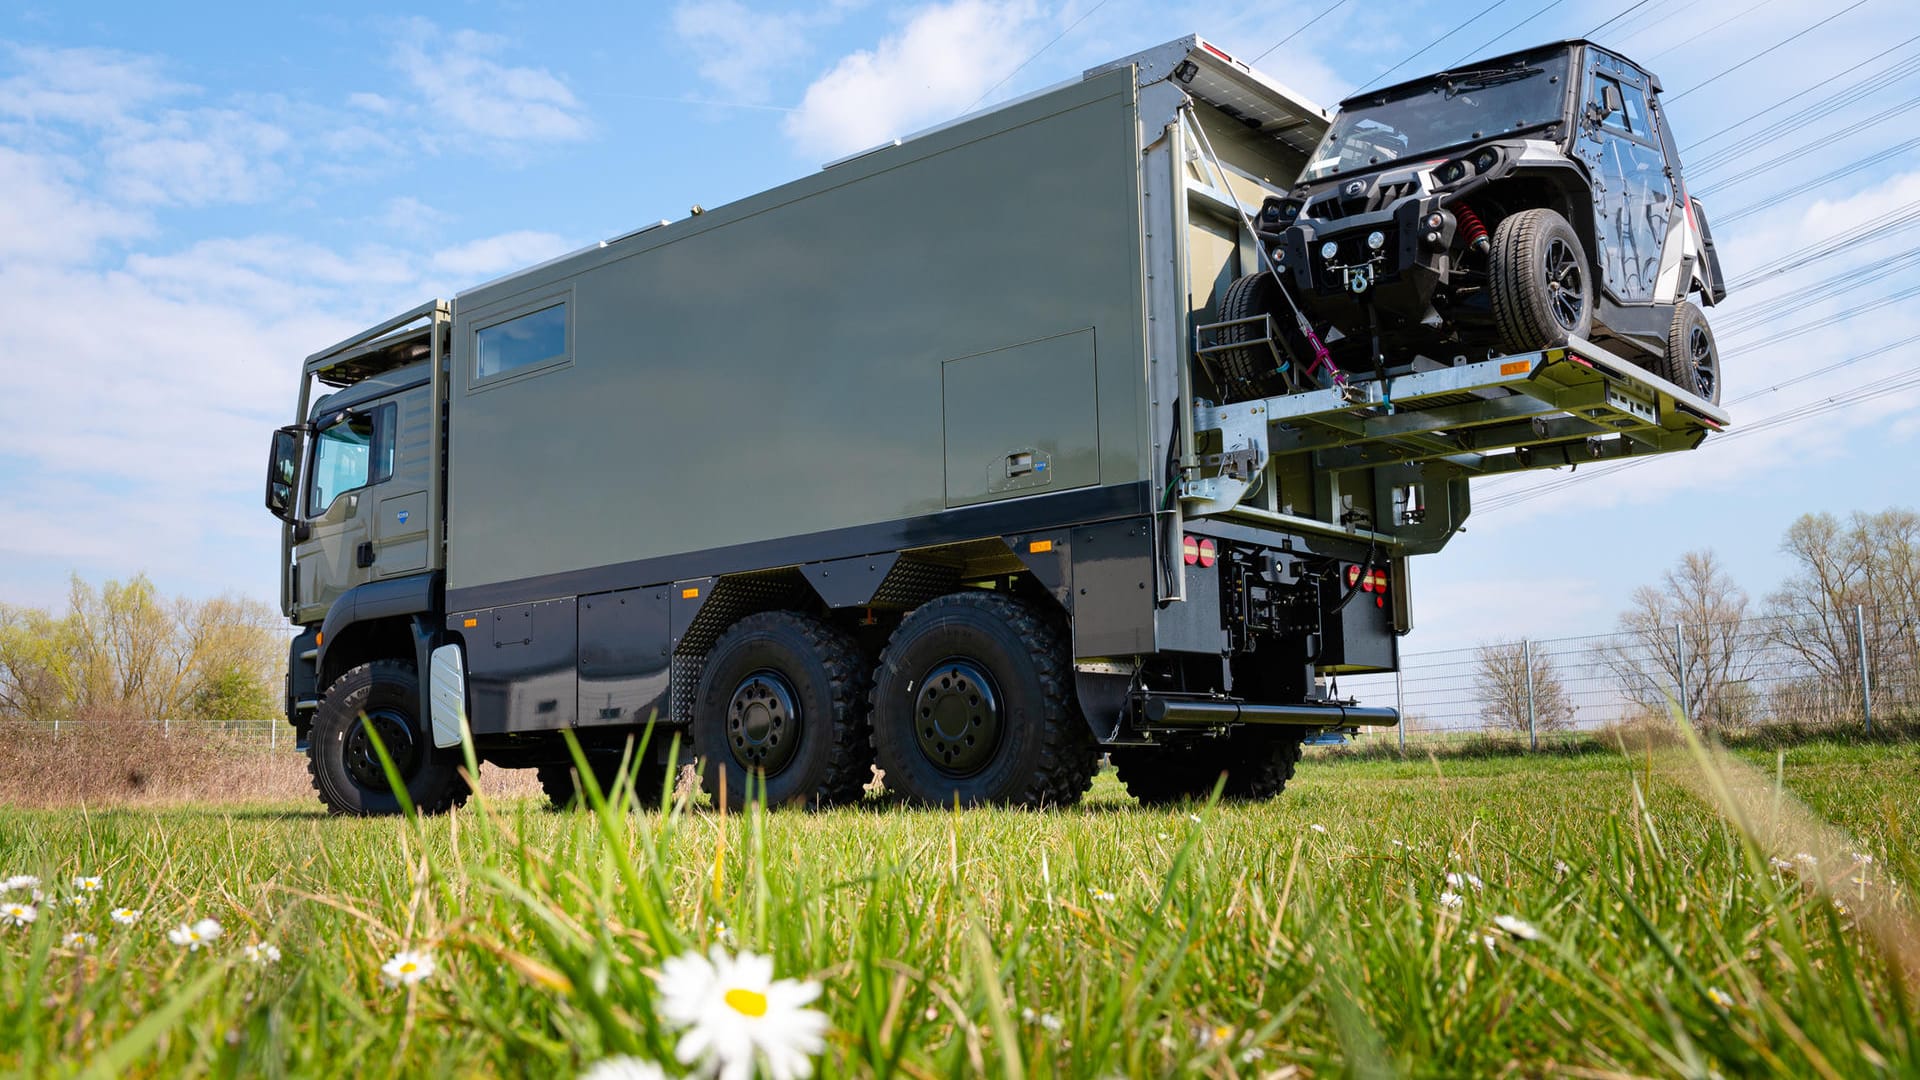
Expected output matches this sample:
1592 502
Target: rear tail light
1198 551
1374 584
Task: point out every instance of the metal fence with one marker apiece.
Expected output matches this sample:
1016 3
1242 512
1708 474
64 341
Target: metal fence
266 735
1850 666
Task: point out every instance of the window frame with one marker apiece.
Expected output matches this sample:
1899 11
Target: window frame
520 308
381 451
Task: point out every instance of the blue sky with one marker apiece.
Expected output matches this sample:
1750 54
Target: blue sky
193 197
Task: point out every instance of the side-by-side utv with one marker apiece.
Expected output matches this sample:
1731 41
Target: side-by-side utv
1510 205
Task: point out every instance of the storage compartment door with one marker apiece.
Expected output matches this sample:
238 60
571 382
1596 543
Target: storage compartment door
1022 420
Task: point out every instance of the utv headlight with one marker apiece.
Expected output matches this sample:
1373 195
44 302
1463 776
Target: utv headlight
1451 172
1376 240
1329 249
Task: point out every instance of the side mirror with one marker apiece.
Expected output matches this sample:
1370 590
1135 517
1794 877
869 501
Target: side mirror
1610 100
283 473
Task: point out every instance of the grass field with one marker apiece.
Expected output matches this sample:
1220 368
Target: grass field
1306 936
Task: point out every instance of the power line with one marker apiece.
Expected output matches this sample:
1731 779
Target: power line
1824 289
1036 55
1790 39
1825 321
1330 9
1749 118
1621 15
1774 200
1684 42
1896 221
1840 99
1482 13
1478 49
1826 139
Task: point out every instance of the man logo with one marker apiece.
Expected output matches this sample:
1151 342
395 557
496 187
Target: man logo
1356 188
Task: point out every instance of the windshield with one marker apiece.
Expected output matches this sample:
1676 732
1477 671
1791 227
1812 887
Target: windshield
1448 109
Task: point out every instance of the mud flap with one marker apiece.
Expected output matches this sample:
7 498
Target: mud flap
448 693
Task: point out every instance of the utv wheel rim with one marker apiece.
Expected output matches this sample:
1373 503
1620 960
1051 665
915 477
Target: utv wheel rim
396 734
1700 356
763 722
1566 285
956 718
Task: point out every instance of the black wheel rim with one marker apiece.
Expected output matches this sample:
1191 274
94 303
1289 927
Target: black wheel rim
1566 285
1700 357
763 722
395 730
956 718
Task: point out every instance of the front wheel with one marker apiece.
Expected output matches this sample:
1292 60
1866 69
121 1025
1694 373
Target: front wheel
974 703
379 699
1692 361
1541 280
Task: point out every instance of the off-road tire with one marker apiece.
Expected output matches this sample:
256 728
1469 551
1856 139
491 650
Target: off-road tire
1258 763
1692 360
388 689
827 674
1533 250
1249 372
559 781
1044 753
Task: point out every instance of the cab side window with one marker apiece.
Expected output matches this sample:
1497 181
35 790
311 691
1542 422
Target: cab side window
354 453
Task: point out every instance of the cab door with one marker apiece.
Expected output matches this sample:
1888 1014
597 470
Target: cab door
1633 191
364 504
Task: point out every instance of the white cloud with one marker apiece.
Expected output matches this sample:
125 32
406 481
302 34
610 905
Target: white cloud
742 51
93 87
493 255
373 103
43 219
462 84
935 66
197 157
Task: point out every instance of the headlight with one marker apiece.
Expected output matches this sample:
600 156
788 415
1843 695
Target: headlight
1485 160
1329 249
1376 240
1451 172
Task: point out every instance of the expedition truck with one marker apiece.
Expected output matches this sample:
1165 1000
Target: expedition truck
922 461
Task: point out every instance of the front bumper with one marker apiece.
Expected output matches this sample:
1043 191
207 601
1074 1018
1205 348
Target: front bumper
1398 278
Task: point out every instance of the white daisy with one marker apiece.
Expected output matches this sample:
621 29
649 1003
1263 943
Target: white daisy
1863 858
126 916
19 881
1102 895
1050 1022
18 914
87 884
1195 818
1805 859
263 954
1517 927
1451 899
1779 863
1456 880
737 1014
623 1068
1319 828
1719 997
408 967
77 940
195 936
1561 869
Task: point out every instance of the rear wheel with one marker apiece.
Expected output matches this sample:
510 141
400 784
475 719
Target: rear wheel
380 699
1541 281
1258 762
782 701
1692 361
973 702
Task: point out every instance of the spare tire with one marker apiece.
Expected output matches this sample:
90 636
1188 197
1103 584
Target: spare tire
1249 372
1542 282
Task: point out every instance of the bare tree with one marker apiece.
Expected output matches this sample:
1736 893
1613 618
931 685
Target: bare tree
1686 642
1865 570
1504 694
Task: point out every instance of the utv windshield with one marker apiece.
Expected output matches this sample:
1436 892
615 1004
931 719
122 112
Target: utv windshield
1446 110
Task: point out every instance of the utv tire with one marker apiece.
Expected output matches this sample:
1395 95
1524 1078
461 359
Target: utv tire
1692 361
560 781
1258 763
1249 372
382 697
974 703
1541 281
782 699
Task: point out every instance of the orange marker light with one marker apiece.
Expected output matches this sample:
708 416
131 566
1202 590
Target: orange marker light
1039 547
1516 367
320 639
470 623
689 594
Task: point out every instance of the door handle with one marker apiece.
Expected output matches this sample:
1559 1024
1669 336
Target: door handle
363 555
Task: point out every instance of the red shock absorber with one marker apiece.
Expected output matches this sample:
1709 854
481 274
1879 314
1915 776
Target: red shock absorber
1472 228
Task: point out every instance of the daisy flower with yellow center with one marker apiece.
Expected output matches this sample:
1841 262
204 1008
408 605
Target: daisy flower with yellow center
408 967
77 940
195 936
18 914
738 1015
126 916
88 884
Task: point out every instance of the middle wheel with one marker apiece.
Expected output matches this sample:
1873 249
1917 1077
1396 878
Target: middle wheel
782 698
974 702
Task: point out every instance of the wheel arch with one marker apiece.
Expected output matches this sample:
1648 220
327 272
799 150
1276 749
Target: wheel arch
381 620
